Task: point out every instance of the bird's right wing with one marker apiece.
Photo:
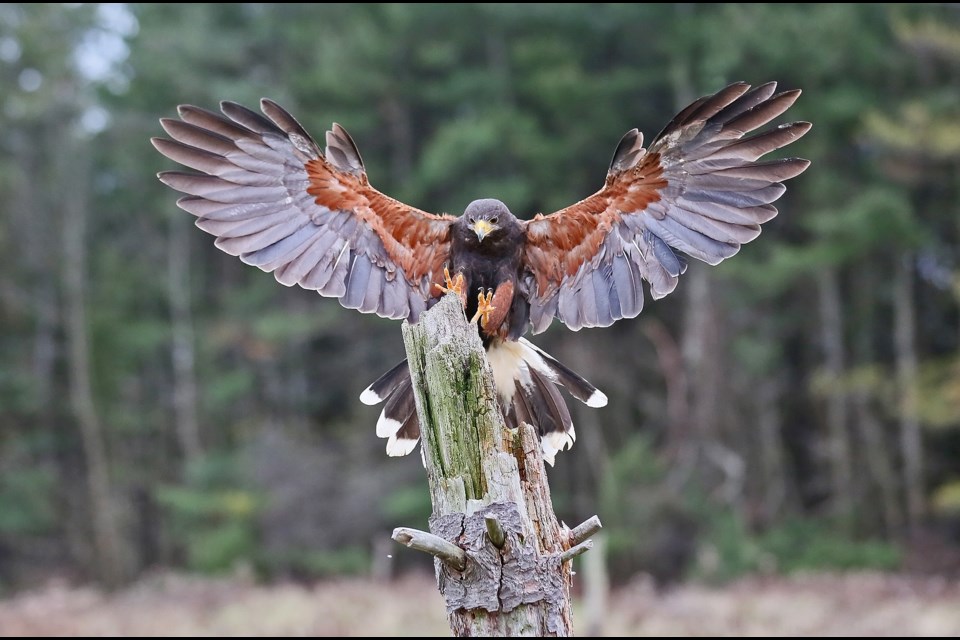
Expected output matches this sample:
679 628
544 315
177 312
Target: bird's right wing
274 198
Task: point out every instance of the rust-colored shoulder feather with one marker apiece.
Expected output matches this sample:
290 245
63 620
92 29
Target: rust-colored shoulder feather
412 239
698 190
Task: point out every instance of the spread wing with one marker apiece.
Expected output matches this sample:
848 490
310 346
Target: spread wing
274 198
699 189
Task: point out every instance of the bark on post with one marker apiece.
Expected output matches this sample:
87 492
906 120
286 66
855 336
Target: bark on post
487 485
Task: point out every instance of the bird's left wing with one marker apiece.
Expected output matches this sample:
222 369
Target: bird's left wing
699 189
277 200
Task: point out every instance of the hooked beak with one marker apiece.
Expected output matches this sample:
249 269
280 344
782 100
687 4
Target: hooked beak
483 228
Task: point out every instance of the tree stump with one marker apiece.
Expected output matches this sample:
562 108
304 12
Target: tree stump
502 558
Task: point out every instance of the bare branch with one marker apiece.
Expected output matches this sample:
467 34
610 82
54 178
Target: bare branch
584 530
434 545
573 552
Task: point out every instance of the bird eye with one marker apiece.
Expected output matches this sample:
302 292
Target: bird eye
472 219
494 219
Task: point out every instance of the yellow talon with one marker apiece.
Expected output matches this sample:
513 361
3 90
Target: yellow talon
453 285
484 308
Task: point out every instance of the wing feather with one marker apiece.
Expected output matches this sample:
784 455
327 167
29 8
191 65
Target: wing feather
272 196
698 190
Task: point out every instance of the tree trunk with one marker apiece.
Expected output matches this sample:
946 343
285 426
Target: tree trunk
596 589
509 571
181 347
911 441
399 121
106 537
834 354
878 462
670 360
35 286
770 447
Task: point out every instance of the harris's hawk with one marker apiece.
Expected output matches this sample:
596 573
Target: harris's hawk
280 201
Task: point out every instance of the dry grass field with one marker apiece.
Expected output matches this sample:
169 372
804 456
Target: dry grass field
859 604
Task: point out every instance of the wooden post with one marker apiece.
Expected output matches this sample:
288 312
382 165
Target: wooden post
503 560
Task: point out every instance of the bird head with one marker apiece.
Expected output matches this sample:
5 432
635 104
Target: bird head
485 217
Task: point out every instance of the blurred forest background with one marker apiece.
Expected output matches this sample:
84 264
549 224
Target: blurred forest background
164 405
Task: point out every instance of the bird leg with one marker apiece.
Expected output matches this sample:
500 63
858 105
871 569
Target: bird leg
453 285
484 308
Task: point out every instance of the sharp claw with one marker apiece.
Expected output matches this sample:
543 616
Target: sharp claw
453 285
484 308
447 281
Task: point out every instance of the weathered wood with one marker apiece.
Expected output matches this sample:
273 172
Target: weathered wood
488 485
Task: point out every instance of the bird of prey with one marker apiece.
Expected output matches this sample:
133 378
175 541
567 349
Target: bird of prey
280 201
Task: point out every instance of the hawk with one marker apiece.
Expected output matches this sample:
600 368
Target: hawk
276 198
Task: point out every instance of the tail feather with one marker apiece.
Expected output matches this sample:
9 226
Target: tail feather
386 384
410 431
398 421
554 423
554 403
560 374
518 410
526 378
396 410
535 400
